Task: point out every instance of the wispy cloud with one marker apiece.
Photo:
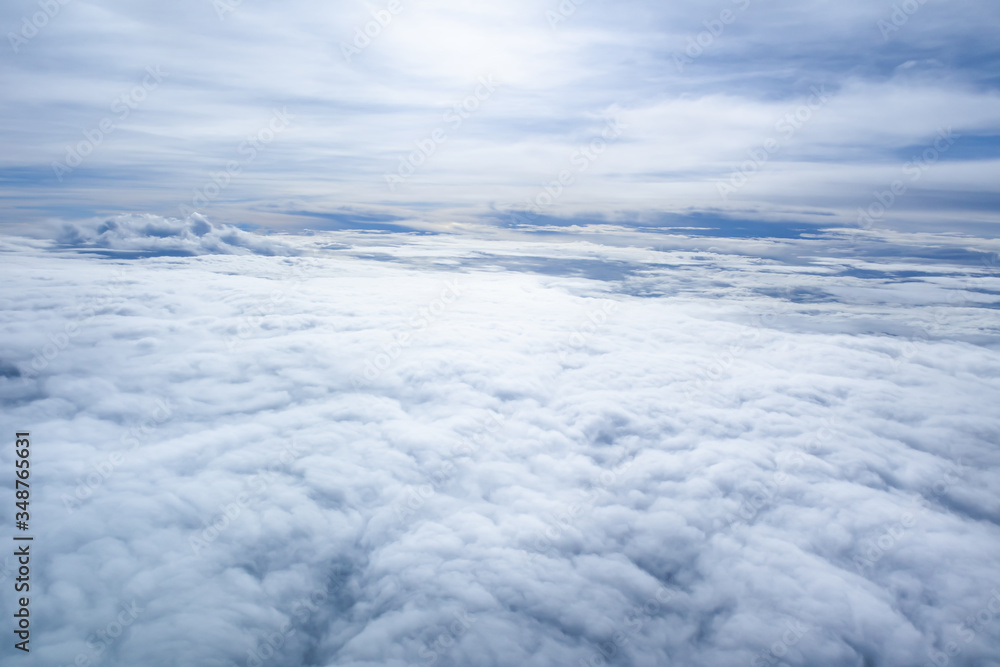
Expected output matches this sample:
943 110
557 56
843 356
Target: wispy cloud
355 116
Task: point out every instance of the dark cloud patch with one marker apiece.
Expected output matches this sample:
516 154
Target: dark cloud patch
356 220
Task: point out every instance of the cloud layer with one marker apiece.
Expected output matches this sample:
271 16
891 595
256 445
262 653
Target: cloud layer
397 450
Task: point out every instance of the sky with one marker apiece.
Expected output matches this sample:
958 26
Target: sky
441 115
428 334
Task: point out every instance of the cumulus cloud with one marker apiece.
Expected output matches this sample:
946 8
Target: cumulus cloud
779 451
155 235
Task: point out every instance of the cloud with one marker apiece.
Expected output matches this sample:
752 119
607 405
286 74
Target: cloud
767 450
152 235
725 395
354 120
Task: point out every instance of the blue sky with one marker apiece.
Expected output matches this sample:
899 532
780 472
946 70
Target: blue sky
746 111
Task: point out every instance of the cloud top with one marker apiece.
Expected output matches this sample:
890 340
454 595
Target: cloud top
157 235
407 450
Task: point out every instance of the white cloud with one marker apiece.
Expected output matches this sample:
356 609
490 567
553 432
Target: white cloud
751 457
